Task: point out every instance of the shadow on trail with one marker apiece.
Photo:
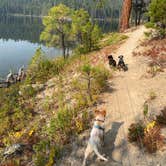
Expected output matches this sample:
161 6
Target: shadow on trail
110 138
109 90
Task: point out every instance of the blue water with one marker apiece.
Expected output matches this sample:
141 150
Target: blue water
14 54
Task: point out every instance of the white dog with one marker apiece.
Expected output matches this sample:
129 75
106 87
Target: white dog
96 136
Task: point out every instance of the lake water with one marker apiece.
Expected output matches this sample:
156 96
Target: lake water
19 38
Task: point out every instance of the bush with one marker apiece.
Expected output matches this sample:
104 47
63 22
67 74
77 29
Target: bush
46 153
157 13
27 91
88 86
41 149
15 112
41 69
149 25
67 122
146 133
152 139
112 38
136 132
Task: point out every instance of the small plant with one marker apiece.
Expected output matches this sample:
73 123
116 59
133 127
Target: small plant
152 139
41 68
112 38
145 110
136 132
27 91
152 95
41 149
161 119
147 133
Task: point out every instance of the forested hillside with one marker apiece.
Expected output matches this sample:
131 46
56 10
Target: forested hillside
97 8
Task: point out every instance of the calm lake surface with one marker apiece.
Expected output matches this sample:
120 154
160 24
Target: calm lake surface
19 38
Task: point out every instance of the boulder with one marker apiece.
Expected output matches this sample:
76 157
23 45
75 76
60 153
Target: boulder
13 150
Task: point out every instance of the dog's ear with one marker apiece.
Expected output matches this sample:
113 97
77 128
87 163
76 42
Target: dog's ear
103 112
97 112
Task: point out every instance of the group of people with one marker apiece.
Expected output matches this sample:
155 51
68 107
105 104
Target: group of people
120 65
13 78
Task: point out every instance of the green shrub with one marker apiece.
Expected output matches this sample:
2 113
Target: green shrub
149 25
46 153
157 13
41 68
112 38
41 150
27 91
136 132
88 86
15 112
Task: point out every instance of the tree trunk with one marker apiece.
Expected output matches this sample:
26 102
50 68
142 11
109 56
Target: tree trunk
89 89
139 18
63 45
125 16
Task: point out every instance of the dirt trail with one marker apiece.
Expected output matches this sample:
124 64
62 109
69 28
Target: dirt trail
124 100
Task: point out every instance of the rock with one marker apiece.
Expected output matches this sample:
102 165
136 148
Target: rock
13 150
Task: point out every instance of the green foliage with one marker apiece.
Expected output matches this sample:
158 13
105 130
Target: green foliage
91 83
41 149
149 25
41 69
145 109
27 91
63 120
112 38
54 154
87 34
157 13
57 27
136 132
14 113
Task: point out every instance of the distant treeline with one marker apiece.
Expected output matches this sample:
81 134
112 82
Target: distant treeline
20 28
96 8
